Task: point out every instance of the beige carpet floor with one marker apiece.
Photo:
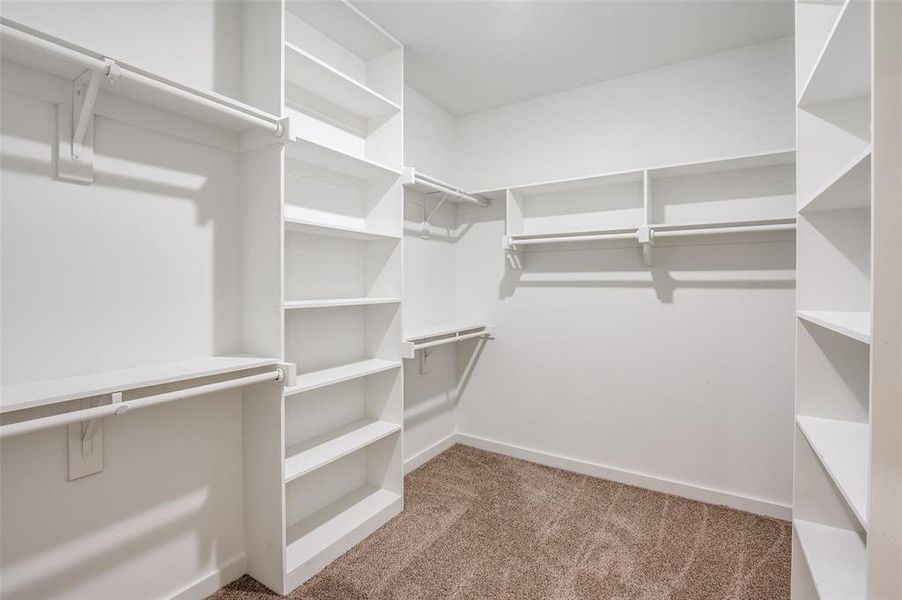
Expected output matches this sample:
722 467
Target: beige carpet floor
481 525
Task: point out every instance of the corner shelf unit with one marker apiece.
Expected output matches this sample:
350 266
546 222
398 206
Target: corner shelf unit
835 286
751 194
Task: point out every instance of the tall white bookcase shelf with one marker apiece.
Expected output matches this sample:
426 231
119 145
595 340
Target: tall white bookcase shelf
835 459
327 469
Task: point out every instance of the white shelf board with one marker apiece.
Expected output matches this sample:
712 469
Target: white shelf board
310 152
579 183
850 188
836 559
40 393
730 163
421 333
843 68
306 72
323 377
339 231
336 302
345 24
312 454
783 156
856 325
842 447
176 97
339 522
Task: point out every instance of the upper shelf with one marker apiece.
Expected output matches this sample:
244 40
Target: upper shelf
310 152
843 68
40 393
308 73
856 325
35 49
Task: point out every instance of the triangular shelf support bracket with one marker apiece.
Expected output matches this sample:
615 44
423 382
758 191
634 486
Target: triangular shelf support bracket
75 125
645 235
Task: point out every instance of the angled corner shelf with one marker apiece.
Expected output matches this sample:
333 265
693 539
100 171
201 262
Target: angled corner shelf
836 559
855 325
322 450
308 73
324 377
338 302
849 188
841 70
842 447
51 391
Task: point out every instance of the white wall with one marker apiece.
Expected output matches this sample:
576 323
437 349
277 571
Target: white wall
429 267
683 371
730 103
197 43
142 266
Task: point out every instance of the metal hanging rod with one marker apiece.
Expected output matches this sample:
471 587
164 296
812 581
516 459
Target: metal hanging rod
451 340
414 179
113 70
119 407
723 229
574 238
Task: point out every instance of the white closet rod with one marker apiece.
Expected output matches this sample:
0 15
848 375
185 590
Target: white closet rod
716 230
119 408
451 340
574 238
104 66
702 229
441 186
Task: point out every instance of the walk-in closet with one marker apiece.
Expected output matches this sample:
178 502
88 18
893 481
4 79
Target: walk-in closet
394 300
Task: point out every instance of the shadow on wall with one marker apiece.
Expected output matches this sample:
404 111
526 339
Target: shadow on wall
712 265
141 179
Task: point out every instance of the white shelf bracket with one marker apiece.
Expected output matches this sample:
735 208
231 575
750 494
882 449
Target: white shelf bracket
424 361
645 235
424 231
75 125
86 441
514 257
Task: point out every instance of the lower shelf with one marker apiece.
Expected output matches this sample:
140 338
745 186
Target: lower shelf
836 559
307 456
323 536
842 447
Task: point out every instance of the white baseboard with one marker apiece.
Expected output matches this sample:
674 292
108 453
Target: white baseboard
205 586
677 488
429 453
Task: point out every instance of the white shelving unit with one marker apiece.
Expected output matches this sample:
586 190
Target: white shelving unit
752 194
332 448
839 531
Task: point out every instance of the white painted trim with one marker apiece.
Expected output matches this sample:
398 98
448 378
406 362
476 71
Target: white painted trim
757 506
424 456
205 586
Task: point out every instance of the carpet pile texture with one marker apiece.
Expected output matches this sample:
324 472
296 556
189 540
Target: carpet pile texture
481 525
